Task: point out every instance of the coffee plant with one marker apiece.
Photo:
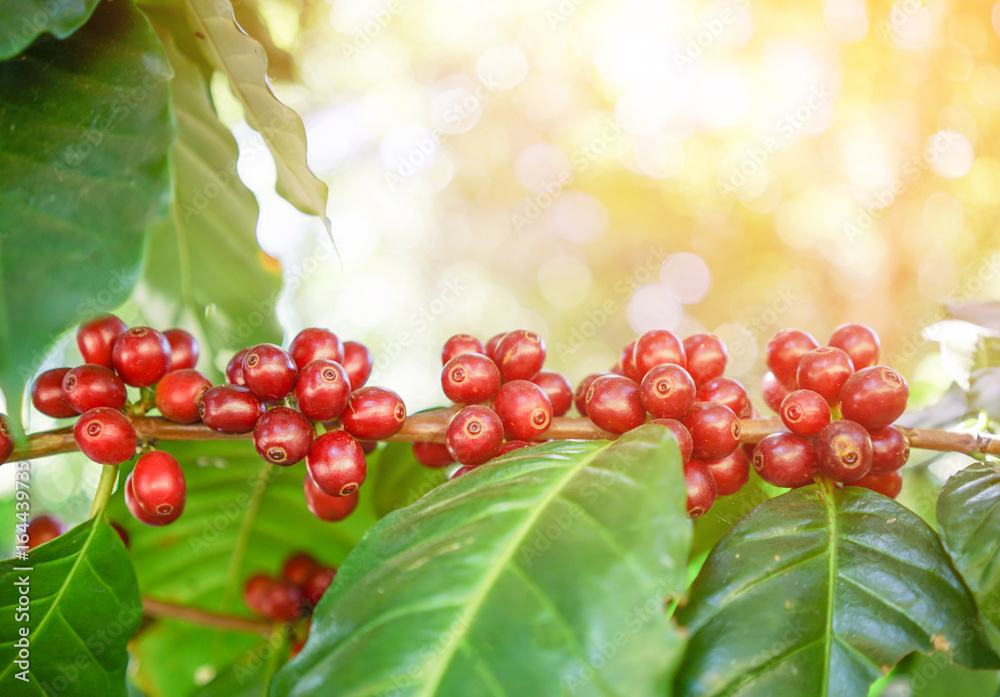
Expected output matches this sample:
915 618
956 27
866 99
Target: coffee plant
269 523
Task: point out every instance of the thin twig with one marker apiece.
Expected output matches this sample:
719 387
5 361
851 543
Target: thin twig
206 618
431 427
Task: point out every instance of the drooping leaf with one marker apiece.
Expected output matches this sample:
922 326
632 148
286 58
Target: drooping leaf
83 608
542 573
241 516
821 592
397 479
22 21
205 255
244 62
85 128
969 520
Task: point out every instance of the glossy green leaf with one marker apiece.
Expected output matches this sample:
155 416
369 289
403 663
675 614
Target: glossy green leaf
542 573
969 520
396 479
821 592
205 256
244 62
250 676
85 129
241 516
83 607
22 21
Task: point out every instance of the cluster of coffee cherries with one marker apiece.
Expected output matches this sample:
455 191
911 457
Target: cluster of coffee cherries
838 406
293 593
47 527
508 402
282 397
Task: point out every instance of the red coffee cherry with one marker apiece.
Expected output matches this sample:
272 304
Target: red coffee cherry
844 451
580 395
726 391
140 514
655 347
282 436
784 352
184 349
701 489
6 440
459 344
358 362
336 463
667 391
787 460
804 412
683 437
464 469
90 386
121 533
234 369
874 397
706 357
317 584
470 378
105 436
730 473
179 394
158 483
824 371
141 356
323 390
524 409
520 355
774 392
48 397
492 344
325 507
861 343
626 363
474 435
96 339
314 344
254 591
44 528
890 450
614 403
373 413
512 445
434 455
714 429
558 389
269 372
298 568
230 409
282 602
889 484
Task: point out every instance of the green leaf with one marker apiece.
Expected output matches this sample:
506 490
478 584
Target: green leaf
205 256
821 592
241 516
86 125
397 479
251 675
244 62
23 21
544 572
83 608
969 520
